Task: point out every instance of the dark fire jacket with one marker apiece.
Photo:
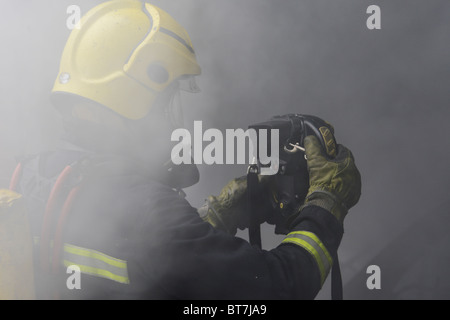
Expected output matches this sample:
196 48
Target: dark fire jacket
125 235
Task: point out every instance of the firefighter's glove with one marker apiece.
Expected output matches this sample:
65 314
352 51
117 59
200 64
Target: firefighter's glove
228 211
335 184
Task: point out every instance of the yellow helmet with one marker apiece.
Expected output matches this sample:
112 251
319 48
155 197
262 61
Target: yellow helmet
123 54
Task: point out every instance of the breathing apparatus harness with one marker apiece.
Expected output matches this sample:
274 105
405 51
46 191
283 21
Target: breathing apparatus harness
67 188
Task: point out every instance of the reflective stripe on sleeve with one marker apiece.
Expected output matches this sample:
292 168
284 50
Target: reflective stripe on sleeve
95 263
311 243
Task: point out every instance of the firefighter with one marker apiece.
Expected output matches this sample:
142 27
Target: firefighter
110 208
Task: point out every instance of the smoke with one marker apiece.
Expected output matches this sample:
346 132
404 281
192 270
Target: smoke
385 91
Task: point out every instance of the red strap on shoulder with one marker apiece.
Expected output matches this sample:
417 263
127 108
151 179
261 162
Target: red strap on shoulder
50 211
16 177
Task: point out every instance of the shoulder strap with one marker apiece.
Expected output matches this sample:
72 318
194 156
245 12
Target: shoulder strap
16 177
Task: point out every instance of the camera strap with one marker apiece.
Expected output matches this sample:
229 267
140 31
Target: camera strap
336 280
254 231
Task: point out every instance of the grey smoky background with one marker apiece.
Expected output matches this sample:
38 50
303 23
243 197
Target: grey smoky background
386 92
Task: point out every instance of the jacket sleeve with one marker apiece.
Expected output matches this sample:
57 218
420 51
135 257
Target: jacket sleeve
192 260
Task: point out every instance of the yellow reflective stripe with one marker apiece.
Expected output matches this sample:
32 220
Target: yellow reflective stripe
95 255
311 243
318 242
98 272
96 263
304 244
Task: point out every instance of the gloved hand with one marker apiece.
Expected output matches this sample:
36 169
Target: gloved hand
335 185
228 211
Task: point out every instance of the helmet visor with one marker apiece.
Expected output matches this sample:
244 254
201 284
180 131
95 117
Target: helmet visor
174 110
189 84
